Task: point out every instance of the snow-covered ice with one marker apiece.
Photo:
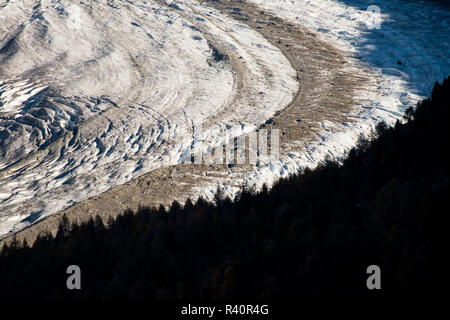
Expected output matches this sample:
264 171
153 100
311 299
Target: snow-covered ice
95 94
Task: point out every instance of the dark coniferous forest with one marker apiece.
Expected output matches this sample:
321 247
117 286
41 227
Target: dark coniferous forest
313 234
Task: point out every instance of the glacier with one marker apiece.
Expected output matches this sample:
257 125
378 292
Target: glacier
95 94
